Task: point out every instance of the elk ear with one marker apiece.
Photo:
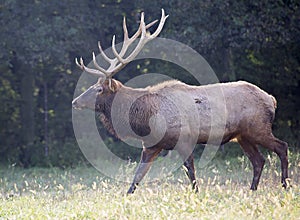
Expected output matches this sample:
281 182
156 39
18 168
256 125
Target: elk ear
114 85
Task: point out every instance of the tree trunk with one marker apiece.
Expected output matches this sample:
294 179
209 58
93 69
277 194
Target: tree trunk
27 109
46 147
27 115
229 70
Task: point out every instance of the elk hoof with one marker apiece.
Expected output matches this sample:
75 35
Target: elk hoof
131 190
286 183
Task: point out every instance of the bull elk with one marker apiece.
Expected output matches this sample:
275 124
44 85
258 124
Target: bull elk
249 111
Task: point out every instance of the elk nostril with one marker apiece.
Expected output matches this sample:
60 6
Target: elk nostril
75 104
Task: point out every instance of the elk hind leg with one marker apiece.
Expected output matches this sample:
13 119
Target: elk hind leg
281 151
280 148
256 158
185 150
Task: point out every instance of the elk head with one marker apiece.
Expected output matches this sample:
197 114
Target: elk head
106 86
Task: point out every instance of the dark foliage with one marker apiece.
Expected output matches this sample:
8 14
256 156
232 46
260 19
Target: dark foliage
257 41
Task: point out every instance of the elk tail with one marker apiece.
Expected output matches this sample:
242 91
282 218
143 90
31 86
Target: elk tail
274 101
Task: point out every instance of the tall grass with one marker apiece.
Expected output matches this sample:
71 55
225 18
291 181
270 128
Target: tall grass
84 193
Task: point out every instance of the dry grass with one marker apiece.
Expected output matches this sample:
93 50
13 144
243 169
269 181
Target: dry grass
83 193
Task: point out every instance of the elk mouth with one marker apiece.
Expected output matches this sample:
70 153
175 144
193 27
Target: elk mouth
76 106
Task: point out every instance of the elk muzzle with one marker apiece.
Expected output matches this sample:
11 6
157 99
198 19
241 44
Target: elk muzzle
75 105
87 99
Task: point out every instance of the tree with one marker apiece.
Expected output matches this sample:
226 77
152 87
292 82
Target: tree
257 41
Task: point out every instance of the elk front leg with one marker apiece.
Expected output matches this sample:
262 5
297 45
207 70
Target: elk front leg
190 171
147 157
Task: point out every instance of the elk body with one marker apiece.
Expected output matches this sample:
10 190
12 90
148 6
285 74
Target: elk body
156 113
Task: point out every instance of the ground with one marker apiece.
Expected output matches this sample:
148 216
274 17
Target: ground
84 193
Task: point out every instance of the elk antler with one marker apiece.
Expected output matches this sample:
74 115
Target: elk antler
119 62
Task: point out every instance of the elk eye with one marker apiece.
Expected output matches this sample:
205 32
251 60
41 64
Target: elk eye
99 90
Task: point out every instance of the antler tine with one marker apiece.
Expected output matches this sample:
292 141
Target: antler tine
89 70
143 40
133 37
99 67
139 31
109 60
128 41
151 24
117 63
113 46
161 24
142 28
77 63
125 30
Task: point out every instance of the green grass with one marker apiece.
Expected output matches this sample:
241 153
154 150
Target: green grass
84 193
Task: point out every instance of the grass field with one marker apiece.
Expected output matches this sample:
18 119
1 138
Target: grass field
84 193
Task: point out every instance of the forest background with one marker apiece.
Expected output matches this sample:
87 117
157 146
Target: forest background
257 41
